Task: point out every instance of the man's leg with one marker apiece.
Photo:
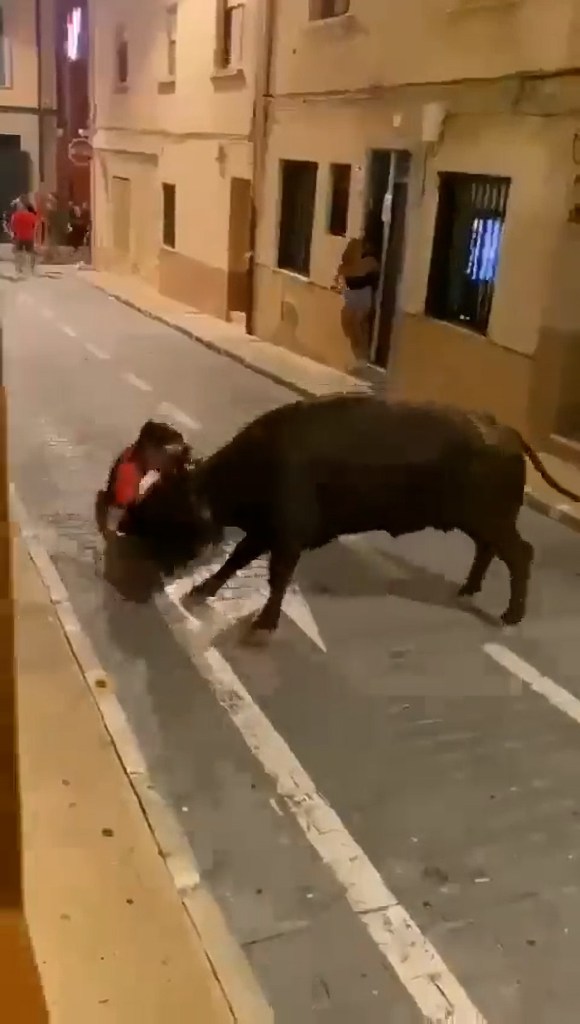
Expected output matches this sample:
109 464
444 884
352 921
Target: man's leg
18 255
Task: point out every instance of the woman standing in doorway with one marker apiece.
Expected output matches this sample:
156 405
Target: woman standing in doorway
358 277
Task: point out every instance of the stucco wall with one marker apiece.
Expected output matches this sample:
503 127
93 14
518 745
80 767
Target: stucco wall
20 30
197 134
431 359
202 104
390 42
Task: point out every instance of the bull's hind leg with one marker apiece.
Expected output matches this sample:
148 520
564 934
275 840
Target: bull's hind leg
283 562
517 554
248 549
484 555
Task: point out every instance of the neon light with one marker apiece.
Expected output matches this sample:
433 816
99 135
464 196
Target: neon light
74 24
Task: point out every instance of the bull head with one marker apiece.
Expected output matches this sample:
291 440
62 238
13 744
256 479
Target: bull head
173 520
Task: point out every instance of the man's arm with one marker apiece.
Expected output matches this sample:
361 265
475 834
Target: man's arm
127 484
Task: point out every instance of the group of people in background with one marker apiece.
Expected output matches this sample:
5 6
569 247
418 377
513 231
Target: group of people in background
33 226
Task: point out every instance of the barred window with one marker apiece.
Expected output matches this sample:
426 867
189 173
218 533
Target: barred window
466 248
297 215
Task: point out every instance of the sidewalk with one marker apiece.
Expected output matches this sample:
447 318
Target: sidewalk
111 938
302 375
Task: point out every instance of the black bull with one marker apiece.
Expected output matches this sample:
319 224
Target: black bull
303 474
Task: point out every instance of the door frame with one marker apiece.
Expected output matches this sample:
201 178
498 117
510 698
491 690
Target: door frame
397 174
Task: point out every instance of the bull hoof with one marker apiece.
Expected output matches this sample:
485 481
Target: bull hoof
512 617
468 591
253 636
198 595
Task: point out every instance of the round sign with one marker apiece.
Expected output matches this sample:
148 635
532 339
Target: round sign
80 152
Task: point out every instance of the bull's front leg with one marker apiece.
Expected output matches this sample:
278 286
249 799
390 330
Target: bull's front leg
484 554
246 551
283 563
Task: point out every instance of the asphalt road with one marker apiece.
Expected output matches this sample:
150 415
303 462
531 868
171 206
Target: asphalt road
456 787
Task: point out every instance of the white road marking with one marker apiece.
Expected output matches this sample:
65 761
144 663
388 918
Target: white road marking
556 695
227 958
142 385
173 412
247 592
426 977
68 330
97 352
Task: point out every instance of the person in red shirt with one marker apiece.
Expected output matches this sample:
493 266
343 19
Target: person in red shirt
134 470
23 226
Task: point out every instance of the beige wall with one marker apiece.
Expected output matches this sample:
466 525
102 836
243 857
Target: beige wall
195 132
144 213
430 359
390 42
20 31
19 102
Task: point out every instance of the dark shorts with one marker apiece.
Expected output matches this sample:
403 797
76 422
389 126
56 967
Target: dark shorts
22 246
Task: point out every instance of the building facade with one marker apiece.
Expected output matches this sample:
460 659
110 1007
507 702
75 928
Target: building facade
173 96
27 97
238 145
443 107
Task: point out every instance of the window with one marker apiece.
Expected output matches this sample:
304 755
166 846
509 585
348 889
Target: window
231 30
171 29
339 199
168 215
121 56
321 10
5 57
466 248
297 215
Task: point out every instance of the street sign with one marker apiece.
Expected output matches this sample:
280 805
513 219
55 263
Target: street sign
80 152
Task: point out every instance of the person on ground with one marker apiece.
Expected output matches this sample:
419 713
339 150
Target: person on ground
23 228
135 470
358 277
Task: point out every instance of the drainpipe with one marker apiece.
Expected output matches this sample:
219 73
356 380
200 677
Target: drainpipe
262 90
39 74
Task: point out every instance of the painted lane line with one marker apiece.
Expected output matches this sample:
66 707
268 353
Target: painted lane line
516 666
173 412
68 330
229 963
141 385
426 977
97 352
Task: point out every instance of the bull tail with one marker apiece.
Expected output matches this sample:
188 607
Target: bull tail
541 469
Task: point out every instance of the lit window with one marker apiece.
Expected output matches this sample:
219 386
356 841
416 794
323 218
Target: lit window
466 248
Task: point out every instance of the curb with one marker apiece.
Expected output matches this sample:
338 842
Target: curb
559 513
562 514
213 346
225 956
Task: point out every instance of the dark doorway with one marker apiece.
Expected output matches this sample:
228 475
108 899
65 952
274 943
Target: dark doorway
387 195
15 172
239 245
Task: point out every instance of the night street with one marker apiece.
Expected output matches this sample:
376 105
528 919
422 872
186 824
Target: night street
387 746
